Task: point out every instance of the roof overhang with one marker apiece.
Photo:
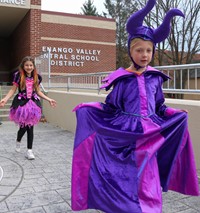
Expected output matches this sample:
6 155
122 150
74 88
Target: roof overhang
11 14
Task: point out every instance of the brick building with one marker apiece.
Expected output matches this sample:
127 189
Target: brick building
76 43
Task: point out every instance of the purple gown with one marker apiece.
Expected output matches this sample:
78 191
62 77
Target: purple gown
131 148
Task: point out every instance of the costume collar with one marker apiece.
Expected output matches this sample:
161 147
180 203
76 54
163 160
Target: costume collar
123 73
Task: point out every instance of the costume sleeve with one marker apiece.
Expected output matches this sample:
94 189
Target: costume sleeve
89 104
114 99
16 79
160 99
39 78
161 108
111 102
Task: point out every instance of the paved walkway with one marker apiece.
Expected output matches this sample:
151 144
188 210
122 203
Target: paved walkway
43 185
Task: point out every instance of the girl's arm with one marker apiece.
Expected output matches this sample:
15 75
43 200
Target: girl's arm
161 108
42 95
8 96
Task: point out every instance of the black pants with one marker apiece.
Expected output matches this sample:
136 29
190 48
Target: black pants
29 131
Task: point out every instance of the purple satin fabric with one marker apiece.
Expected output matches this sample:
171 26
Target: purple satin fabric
129 147
81 194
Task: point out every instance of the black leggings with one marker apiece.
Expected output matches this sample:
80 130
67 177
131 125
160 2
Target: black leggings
21 133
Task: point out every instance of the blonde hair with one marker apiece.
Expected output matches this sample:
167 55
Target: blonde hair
135 40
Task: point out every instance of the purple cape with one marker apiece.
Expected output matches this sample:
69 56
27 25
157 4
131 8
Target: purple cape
131 148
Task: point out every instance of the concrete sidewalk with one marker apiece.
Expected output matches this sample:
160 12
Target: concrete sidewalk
43 185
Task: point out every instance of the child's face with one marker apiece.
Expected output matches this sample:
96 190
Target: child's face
28 67
141 52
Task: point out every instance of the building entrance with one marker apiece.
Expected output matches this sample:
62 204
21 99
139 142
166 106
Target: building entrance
77 43
12 14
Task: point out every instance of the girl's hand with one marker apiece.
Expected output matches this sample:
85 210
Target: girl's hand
184 110
171 111
52 103
2 103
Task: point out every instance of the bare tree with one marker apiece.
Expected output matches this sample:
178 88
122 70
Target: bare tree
184 40
120 10
181 45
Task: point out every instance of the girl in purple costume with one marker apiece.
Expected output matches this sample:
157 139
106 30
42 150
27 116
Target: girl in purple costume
132 147
26 106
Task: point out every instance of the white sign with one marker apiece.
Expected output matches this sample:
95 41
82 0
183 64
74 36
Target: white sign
15 2
71 57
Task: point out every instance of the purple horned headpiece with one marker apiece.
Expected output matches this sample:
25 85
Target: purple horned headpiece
135 28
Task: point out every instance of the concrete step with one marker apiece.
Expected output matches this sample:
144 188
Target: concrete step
4 90
4 114
7 106
4 117
4 111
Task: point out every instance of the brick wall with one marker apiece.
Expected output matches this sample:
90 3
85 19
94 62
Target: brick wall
35 32
77 32
88 42
78 43
35 27
36 2
103 62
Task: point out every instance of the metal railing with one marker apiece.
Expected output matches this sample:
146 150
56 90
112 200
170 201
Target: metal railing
185 79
